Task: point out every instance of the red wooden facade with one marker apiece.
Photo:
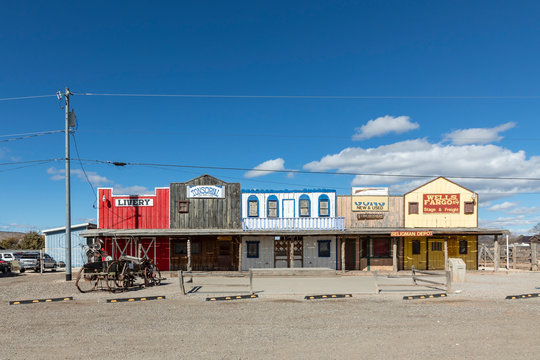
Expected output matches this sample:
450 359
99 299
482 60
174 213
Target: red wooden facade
133 211
155 248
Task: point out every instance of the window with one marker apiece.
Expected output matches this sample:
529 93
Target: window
324 248
364 250
463 247
252 249
304 205
381 247
469 207
413 208
436 246
324 205
180 248
183 206
416 247
195 247
272 207
253 206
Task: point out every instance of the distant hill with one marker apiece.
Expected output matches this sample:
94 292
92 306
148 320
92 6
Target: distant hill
10 234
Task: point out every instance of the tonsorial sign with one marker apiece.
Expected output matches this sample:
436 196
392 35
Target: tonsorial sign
205 191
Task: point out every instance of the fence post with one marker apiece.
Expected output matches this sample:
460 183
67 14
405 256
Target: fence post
250 282
496 253
448 282
181 280
413 275
534 259
514 256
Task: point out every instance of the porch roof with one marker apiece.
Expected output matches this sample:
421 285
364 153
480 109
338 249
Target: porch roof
240 232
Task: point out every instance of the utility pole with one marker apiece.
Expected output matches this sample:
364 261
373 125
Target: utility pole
68 191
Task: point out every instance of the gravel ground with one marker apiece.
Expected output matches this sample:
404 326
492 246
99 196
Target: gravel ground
475 323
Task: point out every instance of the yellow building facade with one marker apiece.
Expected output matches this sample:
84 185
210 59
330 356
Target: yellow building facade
438 205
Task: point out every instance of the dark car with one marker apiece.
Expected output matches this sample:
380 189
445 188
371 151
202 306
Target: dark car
5 266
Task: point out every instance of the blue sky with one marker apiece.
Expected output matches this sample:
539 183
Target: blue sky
451 88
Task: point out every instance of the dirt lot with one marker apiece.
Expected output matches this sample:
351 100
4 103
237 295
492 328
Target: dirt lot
476 323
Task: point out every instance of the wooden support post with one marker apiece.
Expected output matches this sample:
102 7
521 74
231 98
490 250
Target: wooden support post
394 255
514 256
496 253
357 254
343 254
240 255
189 254
446 253
291 253
534 256
181 280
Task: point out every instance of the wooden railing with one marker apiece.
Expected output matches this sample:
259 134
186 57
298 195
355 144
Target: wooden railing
292 224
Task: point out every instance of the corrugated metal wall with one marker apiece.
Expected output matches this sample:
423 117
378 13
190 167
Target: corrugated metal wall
55 246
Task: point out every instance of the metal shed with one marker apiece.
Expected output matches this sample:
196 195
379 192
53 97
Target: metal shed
55 243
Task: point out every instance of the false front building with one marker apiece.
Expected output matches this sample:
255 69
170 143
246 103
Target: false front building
291 229
194 225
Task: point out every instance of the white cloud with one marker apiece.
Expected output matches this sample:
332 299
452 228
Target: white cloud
269 166
97 180
94 178
420 157
478 135
505 206
384 125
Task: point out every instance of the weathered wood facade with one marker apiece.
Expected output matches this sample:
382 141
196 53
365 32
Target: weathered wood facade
204 212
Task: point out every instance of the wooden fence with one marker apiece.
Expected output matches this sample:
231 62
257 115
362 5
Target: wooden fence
517 257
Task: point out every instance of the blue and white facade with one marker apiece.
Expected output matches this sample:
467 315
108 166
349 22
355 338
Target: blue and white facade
296 223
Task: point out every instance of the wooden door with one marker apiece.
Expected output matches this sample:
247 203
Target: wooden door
415 253
350 254
288 208
225 255
281 253
435 254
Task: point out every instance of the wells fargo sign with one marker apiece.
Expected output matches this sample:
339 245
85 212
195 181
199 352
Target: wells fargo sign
441 203
410 233
370 203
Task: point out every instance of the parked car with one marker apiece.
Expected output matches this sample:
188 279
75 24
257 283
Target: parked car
32 261
5 266
13 258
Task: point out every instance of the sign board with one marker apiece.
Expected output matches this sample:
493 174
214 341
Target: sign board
410 233
369 191
369 203
206 191
369 216
134 202
441 203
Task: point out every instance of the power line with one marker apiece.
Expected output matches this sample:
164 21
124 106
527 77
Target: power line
31 161
323 97
26 97
32 135
82 167
121 163
25 166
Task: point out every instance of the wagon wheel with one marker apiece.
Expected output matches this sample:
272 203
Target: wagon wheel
86 281
152 276
117 276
